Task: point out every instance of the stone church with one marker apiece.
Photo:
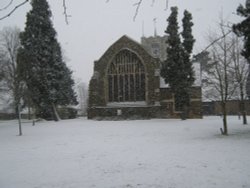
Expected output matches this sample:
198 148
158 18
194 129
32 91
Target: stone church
126 83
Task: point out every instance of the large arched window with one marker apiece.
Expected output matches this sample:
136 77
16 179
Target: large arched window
126 78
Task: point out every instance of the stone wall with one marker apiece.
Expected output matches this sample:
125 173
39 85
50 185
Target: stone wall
233 107
117 113
167 100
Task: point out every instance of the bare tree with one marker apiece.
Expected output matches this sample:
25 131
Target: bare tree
1 68
240 67
220 77
9 45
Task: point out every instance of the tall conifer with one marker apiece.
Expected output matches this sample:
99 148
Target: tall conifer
47 76
188 42
171 71
177 69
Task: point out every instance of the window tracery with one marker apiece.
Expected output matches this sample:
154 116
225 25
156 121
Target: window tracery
126 78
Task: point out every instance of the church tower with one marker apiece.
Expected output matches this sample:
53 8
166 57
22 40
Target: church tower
156 46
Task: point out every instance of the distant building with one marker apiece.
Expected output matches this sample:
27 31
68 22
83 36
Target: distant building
126 83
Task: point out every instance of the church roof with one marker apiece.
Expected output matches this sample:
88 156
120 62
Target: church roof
126 42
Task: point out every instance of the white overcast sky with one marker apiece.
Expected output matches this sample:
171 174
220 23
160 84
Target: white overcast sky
95 25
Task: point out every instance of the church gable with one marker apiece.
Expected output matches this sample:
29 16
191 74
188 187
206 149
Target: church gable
125 74
121 44
126 83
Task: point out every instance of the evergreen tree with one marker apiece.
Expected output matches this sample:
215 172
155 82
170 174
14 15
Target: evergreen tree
47 76
243 28
171 71
188 43
177 69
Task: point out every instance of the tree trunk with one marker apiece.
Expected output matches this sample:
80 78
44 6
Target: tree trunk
19 121
33 116
224 113
243 107
244 117
185 112
56 115
29 114
243 112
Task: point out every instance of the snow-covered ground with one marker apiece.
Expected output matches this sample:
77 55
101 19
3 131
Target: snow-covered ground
125 154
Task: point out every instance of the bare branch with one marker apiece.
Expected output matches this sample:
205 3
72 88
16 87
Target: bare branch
7 6
138 4
13 10
216 40
153 2
166 5
66 15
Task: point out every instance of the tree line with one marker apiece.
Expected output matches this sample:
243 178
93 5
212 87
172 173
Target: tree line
36 74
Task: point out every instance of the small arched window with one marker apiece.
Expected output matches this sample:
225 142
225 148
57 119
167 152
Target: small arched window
126 78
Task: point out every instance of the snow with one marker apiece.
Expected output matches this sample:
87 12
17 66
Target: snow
158 153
